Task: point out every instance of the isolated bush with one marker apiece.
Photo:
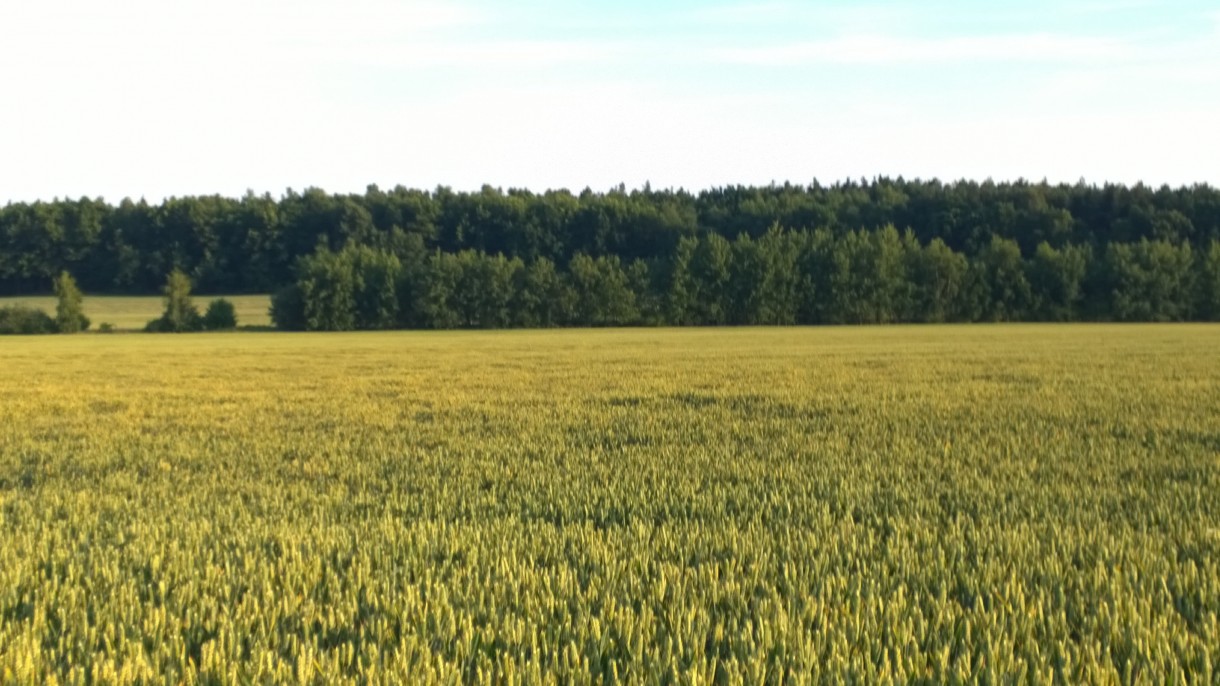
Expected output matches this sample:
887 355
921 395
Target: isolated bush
288 308
69 314
220 315
180 313
105 327
19 319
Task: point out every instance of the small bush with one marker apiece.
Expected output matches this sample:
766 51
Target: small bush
19 319
220 315
105 327
288 308
180 313
189 322
69 318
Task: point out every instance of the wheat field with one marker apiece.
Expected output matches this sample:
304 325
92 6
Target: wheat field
975 504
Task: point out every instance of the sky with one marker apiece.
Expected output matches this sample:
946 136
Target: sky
149 98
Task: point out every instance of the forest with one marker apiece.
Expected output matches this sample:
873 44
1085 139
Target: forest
886 250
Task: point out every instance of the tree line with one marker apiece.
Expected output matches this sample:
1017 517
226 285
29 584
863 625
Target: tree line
252 244
69 313
780 277
180 314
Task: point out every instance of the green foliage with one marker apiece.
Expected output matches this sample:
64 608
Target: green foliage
711 266
181 315
868 282
327 282
1056 279
1150 281
1007 295
220 316
1209 282
682 292
69 313
483 292
647 293
434 296
603 292
847 253
815 266
251 244
18 319
375 291
288 308
883 505
939 280
782 277
542 298
132 312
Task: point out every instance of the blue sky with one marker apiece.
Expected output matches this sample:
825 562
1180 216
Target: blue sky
150 98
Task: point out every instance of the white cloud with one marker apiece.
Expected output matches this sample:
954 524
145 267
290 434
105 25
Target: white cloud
836 18
158 98
1106 6
480 54
879 49
133 33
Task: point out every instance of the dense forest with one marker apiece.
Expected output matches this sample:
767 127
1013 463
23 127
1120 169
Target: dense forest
855 252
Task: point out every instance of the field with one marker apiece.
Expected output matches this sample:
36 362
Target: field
131 313
1029 504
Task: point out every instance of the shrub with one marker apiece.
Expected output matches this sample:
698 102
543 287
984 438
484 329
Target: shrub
105 327
180 313
220 315
288 308
69 318
19 319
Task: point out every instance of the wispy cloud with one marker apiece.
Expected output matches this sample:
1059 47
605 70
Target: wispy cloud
1102 6
880 50
481 54
784 12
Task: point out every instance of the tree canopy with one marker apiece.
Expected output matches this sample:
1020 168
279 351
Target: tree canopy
886 250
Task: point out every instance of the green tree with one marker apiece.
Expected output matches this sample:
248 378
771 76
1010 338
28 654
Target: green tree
375 275
649 299
180 313
542 297
868 281
603 295
1056 278
1005 288
1150 281
815 269
776 297
938 280
762 281
288 308
327 284
682 291
435 293
220 315
711 268
483 292
1209 282
19 319
69 313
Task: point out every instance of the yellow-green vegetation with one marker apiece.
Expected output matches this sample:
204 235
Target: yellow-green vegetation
1007 504
131 313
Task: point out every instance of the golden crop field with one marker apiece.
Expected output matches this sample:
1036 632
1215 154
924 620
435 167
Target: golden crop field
132 312
990 504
